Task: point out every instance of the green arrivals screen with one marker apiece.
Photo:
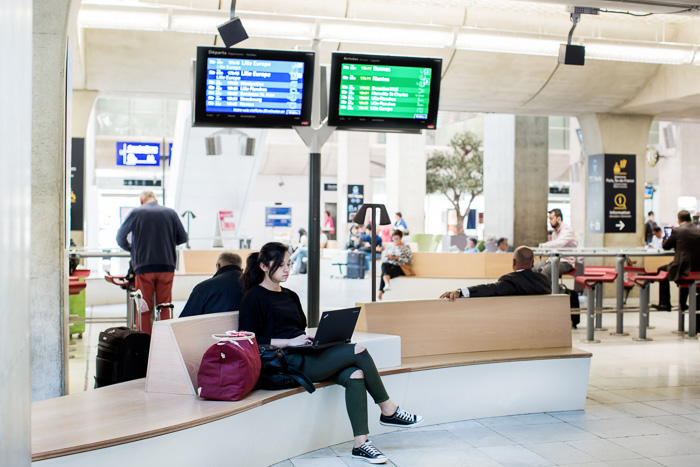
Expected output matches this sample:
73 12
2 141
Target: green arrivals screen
384 91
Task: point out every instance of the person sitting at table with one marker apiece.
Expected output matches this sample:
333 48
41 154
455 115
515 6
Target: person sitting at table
220 293
563 236
398 258
522 281
657 239
685 239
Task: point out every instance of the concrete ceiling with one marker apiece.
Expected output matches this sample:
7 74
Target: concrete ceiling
134 62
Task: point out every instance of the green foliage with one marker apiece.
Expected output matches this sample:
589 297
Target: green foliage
457 173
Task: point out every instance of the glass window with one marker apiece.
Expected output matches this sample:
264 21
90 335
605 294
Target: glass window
136 117
559 133
653 134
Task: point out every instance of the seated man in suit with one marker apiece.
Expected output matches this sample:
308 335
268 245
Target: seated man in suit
685 240
522 281
219 293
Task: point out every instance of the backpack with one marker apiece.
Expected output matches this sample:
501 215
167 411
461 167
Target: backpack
277 374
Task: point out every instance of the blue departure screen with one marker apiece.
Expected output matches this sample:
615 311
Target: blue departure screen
249 86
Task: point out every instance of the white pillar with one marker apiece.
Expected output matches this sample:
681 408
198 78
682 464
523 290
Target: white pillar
15 180
617 134
516 182
353 169
405 179
678 174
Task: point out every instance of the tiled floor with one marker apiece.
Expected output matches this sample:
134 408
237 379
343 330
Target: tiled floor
643 406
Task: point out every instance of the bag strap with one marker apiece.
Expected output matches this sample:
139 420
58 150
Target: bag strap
302 379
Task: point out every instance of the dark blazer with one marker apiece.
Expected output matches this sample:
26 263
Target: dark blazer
524 282
216 295
686 240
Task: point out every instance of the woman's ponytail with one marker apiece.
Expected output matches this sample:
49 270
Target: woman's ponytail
271 254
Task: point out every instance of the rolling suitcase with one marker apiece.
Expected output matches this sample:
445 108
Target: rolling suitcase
122 355
356 265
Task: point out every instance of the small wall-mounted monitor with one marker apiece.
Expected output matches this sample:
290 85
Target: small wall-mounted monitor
252 88
382 92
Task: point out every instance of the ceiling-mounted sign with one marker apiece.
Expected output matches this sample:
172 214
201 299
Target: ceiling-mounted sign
330 187
620 193
137 154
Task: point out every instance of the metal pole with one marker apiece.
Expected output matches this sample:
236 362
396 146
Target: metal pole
590 333
620 286
555 273
681 320
692 307
373 263
314 244
599 309
643 313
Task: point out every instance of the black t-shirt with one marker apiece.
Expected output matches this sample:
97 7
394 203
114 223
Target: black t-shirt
271 315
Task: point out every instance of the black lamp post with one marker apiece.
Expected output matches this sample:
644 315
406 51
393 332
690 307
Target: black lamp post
383 220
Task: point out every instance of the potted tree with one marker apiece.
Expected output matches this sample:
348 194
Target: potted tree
458 173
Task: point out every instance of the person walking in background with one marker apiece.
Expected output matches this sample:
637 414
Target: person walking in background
398 257
155 233
220 293
649 227
522 281
275 315
563 236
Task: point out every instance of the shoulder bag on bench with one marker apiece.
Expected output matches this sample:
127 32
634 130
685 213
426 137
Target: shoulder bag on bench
277 374
229 368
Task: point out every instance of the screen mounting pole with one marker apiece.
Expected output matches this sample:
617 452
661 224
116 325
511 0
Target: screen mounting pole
314 137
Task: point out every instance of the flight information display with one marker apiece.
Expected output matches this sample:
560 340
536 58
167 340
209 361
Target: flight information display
254 86
384 91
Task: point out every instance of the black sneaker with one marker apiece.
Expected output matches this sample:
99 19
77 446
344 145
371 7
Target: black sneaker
368 453
401 419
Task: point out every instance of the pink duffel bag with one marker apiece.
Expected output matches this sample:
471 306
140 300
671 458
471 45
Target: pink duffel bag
230 368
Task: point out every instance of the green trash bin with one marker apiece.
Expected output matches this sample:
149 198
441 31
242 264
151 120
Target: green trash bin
76 319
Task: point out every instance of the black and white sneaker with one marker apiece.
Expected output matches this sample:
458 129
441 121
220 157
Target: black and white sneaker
401 419
368 453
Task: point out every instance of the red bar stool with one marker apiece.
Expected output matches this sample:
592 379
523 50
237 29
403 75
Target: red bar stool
76 286
642 281
691 281
599 292
592 281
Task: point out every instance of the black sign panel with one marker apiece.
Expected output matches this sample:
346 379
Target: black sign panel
330 187
356 197
620 193
77 182
594 194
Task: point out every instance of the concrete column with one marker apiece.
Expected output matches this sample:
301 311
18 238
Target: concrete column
15 179
405 179
516 184
617 134
49 291
353 169
679 173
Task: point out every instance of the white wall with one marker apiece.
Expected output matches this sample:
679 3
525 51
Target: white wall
15 191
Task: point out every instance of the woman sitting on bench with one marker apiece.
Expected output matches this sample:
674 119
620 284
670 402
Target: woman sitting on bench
275 315
396 263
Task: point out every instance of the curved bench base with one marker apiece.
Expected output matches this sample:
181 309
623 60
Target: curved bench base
313 421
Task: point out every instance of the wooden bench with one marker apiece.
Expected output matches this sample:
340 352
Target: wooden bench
454 376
